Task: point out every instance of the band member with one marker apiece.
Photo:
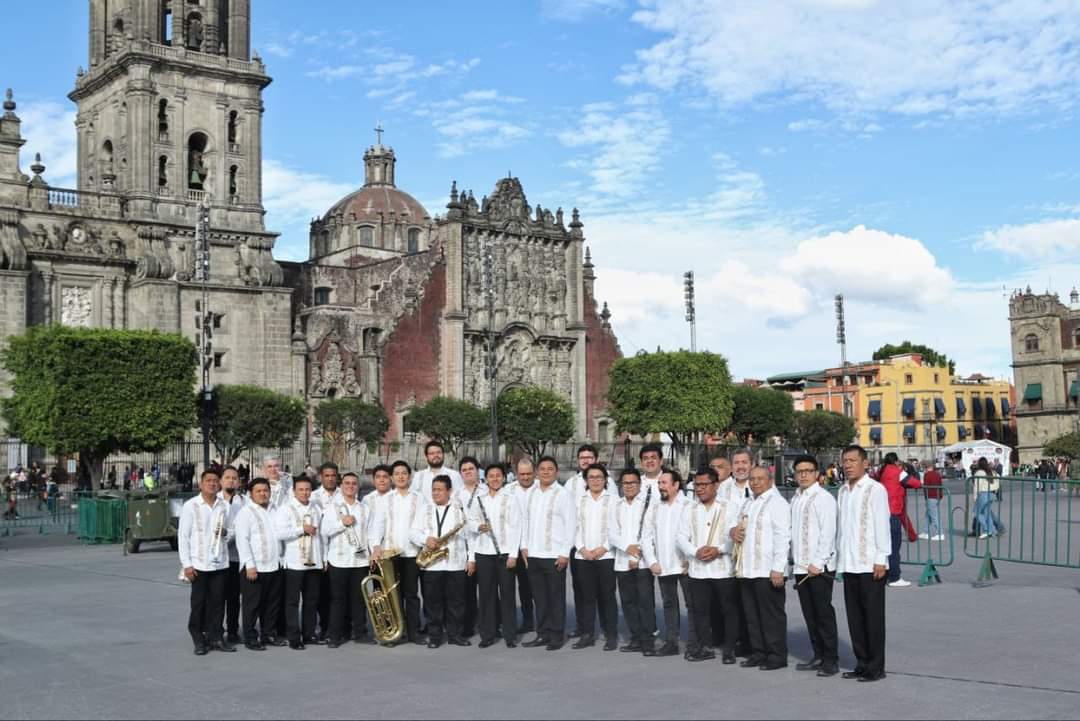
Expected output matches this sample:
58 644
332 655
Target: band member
736 489
652 458
350 530
863 546
465 496
595 565
631 534
435 455
378 499
669 565
526 479
443 581
203 544
813 549
495 523
549 536
402 508
323 498
586 456
705 541
765 540
230 493
297 525
260 568
280 482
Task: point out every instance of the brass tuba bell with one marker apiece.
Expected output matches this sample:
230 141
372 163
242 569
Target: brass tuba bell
384 604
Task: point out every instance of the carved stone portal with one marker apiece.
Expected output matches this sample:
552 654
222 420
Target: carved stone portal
76 307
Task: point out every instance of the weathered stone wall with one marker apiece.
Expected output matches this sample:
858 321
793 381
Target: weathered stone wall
14 286
601 352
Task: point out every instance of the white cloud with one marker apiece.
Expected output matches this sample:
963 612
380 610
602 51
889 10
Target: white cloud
478 120
293 197
969 57
578 10
49 129
1035 241
336 72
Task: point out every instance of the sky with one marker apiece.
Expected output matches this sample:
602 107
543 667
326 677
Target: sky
922 158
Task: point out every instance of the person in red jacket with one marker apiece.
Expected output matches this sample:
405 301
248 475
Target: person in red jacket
896 481
932 484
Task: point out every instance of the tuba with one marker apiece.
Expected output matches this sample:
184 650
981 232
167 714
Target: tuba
384 604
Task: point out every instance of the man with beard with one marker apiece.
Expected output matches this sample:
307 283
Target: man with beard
435 455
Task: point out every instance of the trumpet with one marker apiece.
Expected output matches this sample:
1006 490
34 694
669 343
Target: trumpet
307 544
218 533
428 557
736 553
350 531
383 604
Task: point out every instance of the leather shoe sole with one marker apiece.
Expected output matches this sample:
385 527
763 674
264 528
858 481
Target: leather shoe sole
511 644
554 646
729 659
254 647
201 650
825 672
852 674
460 642
871 677
812 665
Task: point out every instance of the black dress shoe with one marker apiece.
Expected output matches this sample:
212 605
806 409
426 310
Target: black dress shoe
668 649
201 650
701 655
729 659
811 665
234 639
365 641
254 646
486 644
315 641
555 645
871 677
611 644
460 641
585 642
419 640
333 644
536 642
752 661
297 645
276 641
648 651
223 646
530 628
575 634
632 647
433 643
772 665
827 670
857 673
511 644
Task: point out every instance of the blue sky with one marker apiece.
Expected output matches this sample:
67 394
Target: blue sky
918 157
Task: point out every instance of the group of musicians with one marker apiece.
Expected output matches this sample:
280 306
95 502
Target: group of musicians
293 557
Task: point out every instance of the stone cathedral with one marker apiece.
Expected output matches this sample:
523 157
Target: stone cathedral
390 305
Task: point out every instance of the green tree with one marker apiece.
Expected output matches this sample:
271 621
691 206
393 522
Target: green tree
930 356
680 393
349 423
450 421
532 417
96 392
1066 446
817 431
760 414
246 417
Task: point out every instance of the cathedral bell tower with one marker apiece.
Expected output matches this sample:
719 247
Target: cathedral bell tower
171 109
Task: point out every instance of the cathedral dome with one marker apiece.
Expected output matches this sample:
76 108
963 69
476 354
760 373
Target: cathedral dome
374 202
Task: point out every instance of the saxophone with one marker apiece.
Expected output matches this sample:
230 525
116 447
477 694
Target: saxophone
428 557
350 531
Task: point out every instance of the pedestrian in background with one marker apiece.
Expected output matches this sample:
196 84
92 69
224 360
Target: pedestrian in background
932 485
984 498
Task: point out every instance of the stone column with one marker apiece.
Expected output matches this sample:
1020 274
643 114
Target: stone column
252 152
120 289
49 279
210 28
108 304
240 29
97 32
141 129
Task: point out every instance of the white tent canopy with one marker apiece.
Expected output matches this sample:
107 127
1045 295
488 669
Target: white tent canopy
974 450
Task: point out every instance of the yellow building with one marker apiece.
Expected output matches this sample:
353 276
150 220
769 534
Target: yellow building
914 409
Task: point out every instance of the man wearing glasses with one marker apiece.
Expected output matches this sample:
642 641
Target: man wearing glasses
632 538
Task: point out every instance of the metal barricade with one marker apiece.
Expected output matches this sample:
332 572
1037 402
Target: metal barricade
1023 520
44 514
928 509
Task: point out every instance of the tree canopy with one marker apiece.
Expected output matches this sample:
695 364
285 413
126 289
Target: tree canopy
450 421
761 414
532 417
1066 446
678 393
819 430
99 391
349 423
244 417
930 356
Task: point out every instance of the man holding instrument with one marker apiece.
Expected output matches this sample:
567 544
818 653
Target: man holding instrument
496 525
202 540
813 548
704 540
439 525
402 508
670 566
595 563
260 568
297 526
549 536
631 535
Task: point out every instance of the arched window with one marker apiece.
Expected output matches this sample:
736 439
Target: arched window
107 155
233 119
1031 343
194 32
163 119
163 174
234 189
322 296
197 171
414 240
367 236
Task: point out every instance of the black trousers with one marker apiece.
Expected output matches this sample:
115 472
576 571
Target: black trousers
638 604
262 604
207 606
232 599
324 603
669 595
444 600
525 595
702 591
596 580
301 585
408 577
348 613
896 533
472 594
766 619
496 586
815 598
549 593
864 599
580 624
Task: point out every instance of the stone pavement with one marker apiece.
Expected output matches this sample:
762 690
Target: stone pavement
90 633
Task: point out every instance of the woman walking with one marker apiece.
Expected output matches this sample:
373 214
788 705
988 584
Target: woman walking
984 498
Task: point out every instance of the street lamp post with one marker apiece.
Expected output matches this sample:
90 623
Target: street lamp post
205 318
691 309
489 356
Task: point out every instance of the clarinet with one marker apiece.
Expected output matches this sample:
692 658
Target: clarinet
641 525
491 531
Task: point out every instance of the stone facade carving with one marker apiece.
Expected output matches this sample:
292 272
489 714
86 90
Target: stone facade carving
333 370
254 263
12 250
153 259
76 307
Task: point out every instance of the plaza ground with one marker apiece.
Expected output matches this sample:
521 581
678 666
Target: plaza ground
91 633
